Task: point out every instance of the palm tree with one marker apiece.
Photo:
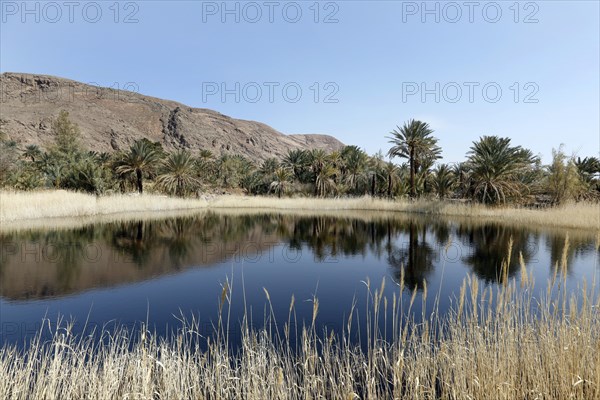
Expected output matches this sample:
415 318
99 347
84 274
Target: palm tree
325 180
226 169
32 151
393 173
318 158
414 141
281 181
589 168
269 166
141 158
295 160
206 166
377 171
461 173
354 167
178 173
246 171
335 159
496 167
53 168
423 177
251 181
88 175
443 180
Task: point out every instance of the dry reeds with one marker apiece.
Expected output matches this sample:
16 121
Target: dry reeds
16 206
493 343
24 206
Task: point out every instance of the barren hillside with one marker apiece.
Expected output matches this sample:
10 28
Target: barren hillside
112 119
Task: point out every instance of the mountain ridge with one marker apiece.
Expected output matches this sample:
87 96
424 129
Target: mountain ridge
112 119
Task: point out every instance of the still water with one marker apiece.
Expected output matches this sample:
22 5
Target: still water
156 271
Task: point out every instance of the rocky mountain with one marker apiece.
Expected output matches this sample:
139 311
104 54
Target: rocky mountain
112 119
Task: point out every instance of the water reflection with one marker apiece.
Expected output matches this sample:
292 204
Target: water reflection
564 249
490 245
41 264
414 261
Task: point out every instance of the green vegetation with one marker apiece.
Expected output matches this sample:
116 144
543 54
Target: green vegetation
177 173
140 160
498 170
415 142
495 171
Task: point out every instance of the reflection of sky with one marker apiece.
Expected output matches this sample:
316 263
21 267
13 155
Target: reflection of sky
335 280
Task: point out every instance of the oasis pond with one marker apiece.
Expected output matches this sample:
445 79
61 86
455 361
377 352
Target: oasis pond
156 272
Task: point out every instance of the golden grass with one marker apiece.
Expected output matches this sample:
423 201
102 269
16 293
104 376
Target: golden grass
17 206
579 215
24 206
489 346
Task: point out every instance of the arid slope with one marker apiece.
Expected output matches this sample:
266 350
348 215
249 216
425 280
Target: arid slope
112 119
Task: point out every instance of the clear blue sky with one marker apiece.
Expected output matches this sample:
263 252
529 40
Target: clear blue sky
372 56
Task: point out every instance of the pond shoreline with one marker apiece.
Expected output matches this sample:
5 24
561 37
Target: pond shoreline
47 207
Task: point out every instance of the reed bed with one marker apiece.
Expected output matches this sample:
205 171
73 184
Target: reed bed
23 206
576 215
19 206
494 343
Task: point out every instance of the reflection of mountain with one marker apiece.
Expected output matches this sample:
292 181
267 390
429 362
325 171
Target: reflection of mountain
38 264
55 263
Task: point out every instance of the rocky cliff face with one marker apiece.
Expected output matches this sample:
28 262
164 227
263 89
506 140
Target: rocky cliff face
113 119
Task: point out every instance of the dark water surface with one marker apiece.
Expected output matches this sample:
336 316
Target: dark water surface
127 272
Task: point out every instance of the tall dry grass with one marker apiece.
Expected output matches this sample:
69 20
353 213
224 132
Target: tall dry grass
17 206
492 344
23 206
577 215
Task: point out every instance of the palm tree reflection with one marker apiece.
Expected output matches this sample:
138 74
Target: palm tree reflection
564 248
134 240
177 235
489 246
413 259
160 246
